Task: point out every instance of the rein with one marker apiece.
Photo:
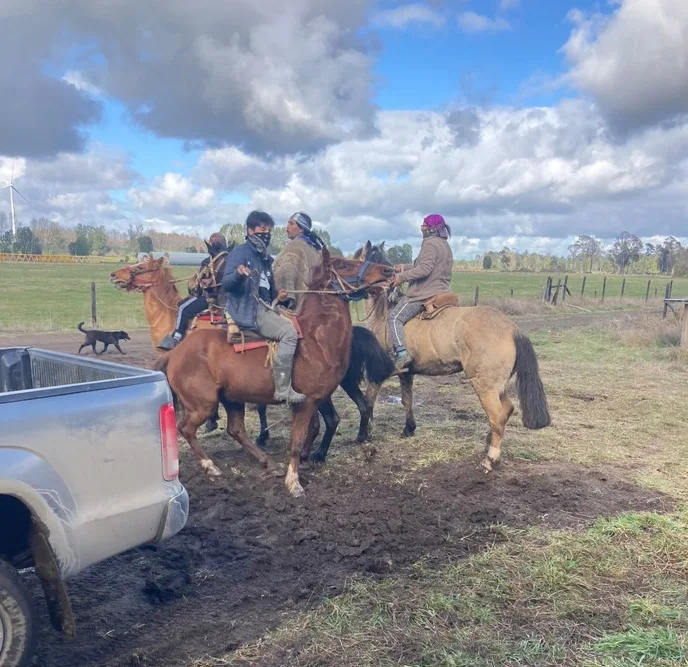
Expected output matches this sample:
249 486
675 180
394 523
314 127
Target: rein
349 289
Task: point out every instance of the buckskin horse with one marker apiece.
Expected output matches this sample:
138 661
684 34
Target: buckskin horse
479 340
153 278
206 367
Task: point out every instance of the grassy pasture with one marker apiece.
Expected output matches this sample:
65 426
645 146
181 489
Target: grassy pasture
610 593
41 297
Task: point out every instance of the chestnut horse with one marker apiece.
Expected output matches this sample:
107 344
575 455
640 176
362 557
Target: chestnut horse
154 280
205 367
480 341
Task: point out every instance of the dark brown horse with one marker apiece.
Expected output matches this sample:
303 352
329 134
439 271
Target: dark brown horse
204 367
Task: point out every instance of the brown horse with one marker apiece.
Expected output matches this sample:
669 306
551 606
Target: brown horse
161 297
479 340
155 281
205 367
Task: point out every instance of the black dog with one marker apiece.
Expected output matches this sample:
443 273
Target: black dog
106 337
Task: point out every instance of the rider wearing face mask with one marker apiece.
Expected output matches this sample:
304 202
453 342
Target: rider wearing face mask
249 287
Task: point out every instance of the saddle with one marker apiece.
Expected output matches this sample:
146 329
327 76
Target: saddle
242 341
433 307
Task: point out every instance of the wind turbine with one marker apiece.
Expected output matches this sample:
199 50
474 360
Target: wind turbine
12 189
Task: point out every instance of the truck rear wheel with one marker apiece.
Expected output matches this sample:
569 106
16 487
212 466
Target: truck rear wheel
17 625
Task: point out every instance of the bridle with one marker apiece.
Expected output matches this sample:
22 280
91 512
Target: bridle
351 289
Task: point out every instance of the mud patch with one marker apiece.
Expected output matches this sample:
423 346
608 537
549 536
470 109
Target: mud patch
250 554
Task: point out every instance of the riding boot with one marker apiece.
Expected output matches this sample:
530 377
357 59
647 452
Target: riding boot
168 342
402 361
282 366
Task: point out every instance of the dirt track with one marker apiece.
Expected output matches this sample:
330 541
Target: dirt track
250 553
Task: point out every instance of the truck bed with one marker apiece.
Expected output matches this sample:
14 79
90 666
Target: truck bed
27 373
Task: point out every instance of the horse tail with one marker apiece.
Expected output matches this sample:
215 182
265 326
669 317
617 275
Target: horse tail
80 327
531 393
367 357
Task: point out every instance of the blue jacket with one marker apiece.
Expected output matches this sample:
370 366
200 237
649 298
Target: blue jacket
242 291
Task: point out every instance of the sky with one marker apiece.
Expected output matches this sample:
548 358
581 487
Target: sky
524 122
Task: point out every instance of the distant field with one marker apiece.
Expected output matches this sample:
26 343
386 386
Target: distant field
57 297
530 285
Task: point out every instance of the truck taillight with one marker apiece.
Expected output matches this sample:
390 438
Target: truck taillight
168 438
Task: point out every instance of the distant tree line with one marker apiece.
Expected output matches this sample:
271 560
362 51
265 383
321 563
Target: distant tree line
628 254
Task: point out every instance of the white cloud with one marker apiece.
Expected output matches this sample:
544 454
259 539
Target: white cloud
526 173
473 23
634 63
173 194
505 5
78 81
401 17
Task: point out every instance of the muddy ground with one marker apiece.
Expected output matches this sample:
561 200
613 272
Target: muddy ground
250 554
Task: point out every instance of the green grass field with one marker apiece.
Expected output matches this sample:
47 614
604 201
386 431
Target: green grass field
56 298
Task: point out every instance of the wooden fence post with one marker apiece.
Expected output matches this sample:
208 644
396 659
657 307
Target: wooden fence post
604 288
477 294
666 305
555 298
623 288
512 292
583 287
684 329
94 317
656 292
647 291
563 293
595 295
671 289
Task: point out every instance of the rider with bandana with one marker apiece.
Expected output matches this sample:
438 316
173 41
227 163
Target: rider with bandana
249 287
293 265
429 276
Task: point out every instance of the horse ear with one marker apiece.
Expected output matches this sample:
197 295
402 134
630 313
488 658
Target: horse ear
161 260
357 254
368 245
382 246
206 245
326 256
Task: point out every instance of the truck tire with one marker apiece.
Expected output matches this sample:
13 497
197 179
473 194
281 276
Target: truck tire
17 624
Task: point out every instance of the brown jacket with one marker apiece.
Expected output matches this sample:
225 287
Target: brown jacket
292 267
432 271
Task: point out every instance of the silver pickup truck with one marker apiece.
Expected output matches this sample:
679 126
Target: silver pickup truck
88 469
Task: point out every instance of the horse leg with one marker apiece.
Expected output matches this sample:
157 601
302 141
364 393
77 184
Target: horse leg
211 424
354 392
313 430
303 414
236 428
329 413
406 382
498 408
372 391
264 434
188 427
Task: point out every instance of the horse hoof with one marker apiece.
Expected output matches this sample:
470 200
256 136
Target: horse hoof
317 457
297 491
212 470
486 465
210 426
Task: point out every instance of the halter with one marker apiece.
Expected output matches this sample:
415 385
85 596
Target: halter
351 289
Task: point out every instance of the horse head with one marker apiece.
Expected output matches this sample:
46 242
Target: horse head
138 277
377 254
